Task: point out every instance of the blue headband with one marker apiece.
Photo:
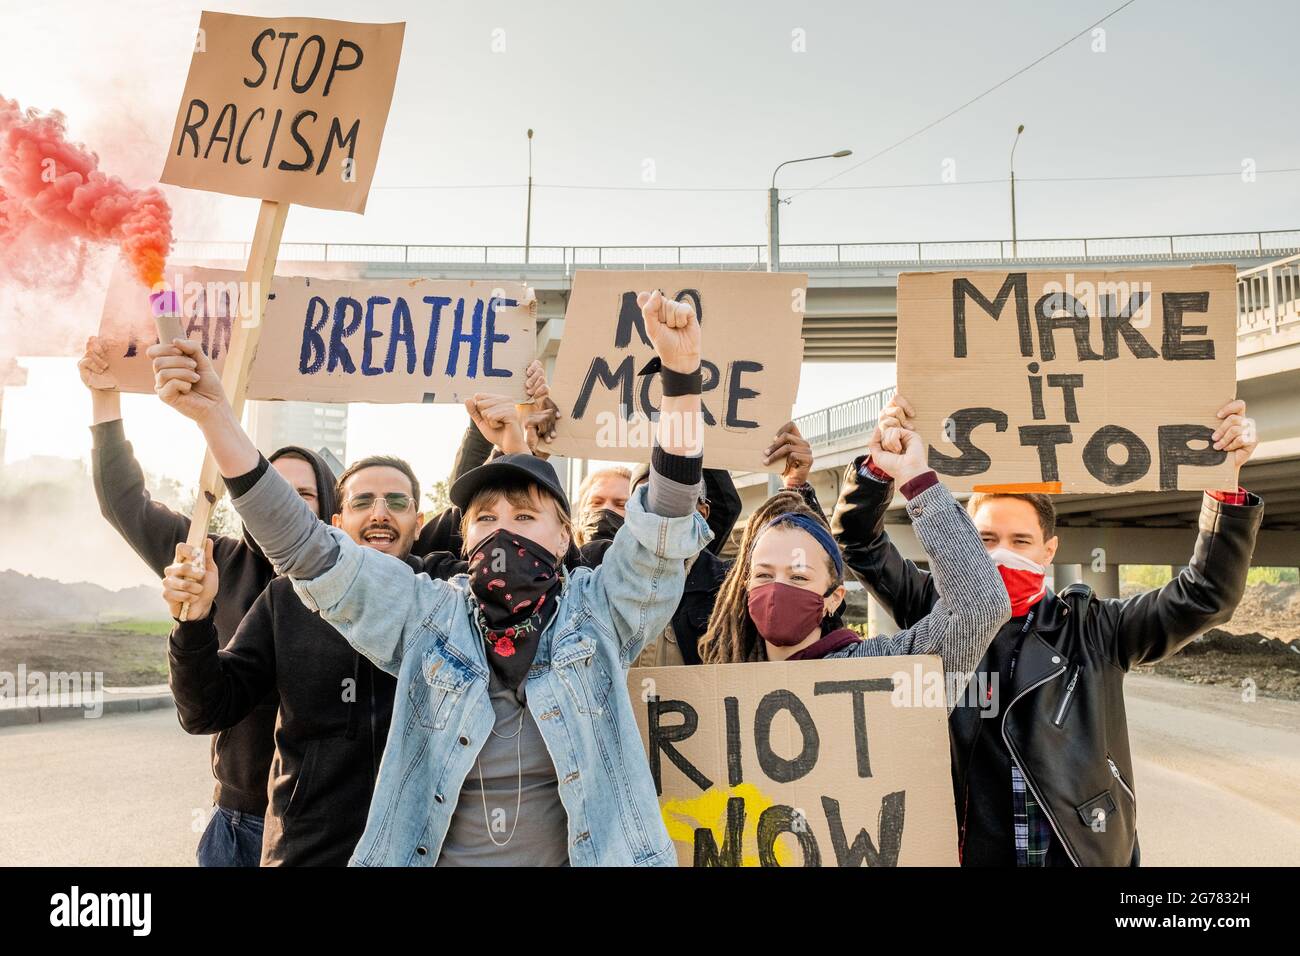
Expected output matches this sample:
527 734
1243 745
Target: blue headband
817 530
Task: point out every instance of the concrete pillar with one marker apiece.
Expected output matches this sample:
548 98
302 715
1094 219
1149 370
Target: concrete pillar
878 621
1063 575
1104 583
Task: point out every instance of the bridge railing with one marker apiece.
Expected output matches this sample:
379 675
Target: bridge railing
857 416
564 259
1268 296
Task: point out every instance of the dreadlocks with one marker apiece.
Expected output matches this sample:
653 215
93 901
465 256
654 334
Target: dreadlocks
732 637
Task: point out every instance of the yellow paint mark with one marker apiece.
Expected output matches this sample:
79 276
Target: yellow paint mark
709 811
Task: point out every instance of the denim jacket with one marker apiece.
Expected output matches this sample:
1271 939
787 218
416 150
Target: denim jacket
424 632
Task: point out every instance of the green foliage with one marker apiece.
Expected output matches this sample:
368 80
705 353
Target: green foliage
1144 577
438 498
1273 576
224 519
130 625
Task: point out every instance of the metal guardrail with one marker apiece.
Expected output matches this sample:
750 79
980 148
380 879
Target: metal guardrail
1268 296
564 259
854 417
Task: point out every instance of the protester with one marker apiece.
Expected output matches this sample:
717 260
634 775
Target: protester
517 650
602 504
676 643
790 444
242 753
720 506
441 532
787 587
1042 771
334 704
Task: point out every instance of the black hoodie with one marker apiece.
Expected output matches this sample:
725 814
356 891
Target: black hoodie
335 707
241 754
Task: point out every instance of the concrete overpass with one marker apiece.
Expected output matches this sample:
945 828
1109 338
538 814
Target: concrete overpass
851 312
852 316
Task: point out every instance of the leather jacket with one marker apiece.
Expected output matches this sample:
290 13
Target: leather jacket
1062 718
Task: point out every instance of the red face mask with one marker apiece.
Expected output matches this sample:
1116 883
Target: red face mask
784 614
1025 580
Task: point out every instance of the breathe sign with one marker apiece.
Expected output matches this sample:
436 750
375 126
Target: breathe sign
803 763
285 108
1071 382
332 340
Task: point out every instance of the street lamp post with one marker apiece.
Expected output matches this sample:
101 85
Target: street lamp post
774 209
528 222
1019 129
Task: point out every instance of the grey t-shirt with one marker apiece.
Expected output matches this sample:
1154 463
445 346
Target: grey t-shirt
541 832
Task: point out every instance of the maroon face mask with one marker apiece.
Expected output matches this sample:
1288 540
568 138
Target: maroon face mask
784 614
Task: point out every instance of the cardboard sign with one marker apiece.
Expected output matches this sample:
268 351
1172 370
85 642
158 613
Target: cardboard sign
333 340
801 763
752 325
285 108
1071 382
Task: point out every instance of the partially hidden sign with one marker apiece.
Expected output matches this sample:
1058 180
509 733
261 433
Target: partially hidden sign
1070 382
752 326
803 763
334 340
285 108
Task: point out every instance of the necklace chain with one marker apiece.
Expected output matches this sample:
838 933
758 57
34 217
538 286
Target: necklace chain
519 780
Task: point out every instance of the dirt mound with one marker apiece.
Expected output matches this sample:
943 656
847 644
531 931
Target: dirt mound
1270 600
1252 662
1253 644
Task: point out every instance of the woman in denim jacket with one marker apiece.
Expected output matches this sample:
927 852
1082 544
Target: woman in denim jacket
513 740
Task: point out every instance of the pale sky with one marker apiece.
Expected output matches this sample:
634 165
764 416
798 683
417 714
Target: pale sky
710 96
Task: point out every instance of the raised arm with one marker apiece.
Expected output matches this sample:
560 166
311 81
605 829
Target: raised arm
374 600
905 591
642 575
1155 624
151 529
972 603
216 689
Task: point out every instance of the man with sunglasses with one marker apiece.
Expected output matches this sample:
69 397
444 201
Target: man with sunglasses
379 504
335 706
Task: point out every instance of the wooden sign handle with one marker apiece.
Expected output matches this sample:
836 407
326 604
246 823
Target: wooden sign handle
239 359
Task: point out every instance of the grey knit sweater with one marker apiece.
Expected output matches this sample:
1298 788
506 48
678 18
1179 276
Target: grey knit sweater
972 603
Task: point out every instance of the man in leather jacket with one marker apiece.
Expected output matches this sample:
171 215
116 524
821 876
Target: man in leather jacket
1042 771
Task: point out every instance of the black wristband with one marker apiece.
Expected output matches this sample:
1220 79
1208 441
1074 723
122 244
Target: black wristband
679 468
675 383
242 484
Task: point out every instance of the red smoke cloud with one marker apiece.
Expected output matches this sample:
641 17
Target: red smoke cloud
55 202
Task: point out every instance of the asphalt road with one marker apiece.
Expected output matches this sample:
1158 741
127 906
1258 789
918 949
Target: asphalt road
1218 783
129 790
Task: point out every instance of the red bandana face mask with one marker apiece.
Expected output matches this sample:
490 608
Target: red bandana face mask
1025 580
784 614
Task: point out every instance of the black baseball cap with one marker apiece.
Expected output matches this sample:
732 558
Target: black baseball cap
499 470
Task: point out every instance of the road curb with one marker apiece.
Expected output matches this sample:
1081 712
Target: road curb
28 714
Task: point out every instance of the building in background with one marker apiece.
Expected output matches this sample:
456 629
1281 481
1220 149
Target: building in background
309 424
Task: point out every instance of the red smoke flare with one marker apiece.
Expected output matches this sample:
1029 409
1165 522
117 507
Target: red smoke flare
54 200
